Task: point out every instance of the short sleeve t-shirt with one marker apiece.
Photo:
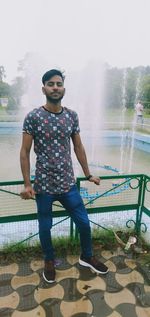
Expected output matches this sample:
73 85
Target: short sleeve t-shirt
51 133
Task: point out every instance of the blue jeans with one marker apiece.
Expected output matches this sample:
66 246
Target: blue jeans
73 203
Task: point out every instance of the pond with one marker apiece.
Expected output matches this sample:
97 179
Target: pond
105 154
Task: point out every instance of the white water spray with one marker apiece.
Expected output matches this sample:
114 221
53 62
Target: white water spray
123 132
132 138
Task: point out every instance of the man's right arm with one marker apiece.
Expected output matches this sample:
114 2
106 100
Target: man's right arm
27 140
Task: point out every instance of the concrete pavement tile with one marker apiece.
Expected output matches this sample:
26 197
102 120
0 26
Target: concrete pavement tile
77 307
51 307
126 310
6 312
115 299
145 271
82 315
37 312
111 266
55 291
133 277
112 286
24 269
36 265
26 297
131 263
9 269
142 312
18 281
142 297
5 285
114 314
72 259
100 307
121 266
107 254
96 283
147 288
10 301
72 272
71 293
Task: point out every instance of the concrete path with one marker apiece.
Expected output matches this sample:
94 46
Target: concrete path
77 292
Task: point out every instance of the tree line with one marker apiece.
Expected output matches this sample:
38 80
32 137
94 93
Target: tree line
123 87
12 92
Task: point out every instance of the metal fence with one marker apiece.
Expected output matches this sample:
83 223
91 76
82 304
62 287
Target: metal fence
120 202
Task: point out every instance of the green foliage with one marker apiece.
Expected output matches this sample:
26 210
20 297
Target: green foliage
102 239
4 89
145 90
13 92
2 73
16 91
113 87
136 86
131 82
12 105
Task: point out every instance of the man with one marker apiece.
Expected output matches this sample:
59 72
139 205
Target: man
51 127
139 112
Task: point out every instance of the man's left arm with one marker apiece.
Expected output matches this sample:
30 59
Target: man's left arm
82 158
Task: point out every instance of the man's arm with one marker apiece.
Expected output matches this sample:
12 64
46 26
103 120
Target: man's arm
82 158
25 165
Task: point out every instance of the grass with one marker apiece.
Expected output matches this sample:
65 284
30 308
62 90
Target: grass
102 240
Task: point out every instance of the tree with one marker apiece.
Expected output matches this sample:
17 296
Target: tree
4 89
131 87
12 107
113 87
145 91
2 73
17 90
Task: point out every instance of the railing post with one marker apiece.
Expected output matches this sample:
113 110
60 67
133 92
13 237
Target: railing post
141 197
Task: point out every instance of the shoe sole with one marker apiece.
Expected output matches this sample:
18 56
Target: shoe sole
91 267
48 281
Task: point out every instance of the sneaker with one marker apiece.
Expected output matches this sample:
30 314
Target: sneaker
49 272
94 264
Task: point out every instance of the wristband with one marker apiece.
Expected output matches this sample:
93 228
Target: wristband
88 177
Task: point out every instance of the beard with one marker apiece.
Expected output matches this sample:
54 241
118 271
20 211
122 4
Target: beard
54 100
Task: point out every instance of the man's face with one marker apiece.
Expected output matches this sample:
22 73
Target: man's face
54 89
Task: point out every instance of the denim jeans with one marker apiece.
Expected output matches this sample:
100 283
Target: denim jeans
73 203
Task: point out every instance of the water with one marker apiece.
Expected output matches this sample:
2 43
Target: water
104 155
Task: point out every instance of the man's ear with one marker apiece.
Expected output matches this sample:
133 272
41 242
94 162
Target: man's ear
43 90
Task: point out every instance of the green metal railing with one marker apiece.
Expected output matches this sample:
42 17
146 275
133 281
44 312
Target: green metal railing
117 194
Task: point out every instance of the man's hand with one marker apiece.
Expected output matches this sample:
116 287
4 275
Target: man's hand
95 180
27 193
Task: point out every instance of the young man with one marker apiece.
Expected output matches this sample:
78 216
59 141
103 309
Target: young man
51 127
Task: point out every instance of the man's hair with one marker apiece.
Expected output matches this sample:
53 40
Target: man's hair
49 74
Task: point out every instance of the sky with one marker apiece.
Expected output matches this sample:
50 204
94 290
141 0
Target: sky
69 33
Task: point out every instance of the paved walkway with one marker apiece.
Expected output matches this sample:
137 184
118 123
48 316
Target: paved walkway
77 292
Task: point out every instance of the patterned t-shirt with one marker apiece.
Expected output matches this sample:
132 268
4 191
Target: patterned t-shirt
51 133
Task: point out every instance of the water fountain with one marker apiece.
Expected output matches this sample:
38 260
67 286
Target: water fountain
85 95
134 125
127 136
123 132
83 90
